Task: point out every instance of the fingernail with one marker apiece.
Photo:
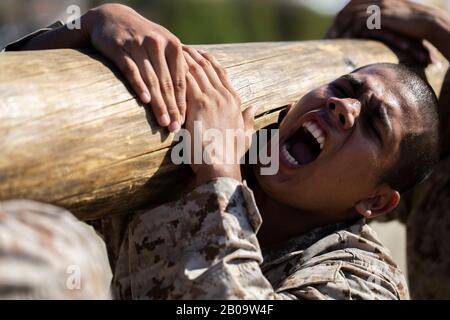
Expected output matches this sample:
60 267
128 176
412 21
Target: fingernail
145 97
164 120
174 127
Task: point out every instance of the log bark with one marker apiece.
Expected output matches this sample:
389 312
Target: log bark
74 135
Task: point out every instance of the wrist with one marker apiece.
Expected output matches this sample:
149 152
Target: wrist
443 22
88 23
210 172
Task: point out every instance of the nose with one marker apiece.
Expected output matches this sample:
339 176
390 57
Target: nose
346 111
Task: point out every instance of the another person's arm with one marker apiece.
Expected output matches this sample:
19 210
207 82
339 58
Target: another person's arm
204 246
404 24
47 253
401 23
440 34
147 54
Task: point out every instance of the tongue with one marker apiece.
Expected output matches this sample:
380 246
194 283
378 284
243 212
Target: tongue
302 153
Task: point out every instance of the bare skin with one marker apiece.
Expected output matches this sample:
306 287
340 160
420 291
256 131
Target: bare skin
342 183
213 101
359 146
148 55
397 17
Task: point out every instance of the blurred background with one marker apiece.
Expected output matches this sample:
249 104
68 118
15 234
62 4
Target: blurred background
194 21
208 22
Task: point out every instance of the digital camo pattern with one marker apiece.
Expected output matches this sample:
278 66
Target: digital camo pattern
204 246
427 209
46 253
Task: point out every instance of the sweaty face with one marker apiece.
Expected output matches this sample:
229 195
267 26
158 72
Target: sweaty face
338 139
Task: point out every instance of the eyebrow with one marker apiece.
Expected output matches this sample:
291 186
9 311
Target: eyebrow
375 105
376 109
354 82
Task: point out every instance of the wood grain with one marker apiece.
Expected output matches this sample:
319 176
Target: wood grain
73 134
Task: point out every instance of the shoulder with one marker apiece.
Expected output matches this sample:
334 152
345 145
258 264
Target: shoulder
349 263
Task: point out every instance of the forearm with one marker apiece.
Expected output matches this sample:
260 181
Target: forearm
441 40
440 36
62 37
444 116
203 246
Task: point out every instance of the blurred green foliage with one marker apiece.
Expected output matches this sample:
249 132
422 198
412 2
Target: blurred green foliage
227 21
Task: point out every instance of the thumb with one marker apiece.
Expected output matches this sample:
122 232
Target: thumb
249 117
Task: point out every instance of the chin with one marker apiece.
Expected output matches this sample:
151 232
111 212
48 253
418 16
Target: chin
275 187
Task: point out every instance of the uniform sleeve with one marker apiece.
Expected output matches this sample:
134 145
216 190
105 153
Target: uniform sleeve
46 253
203 246
18 44
341 280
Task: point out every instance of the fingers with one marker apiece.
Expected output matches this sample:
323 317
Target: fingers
207 71
220 72
356 27
345 18
203 61
249 117
353 16
198 73
409 46
131 72
351 22
208 74
165 85
151 80
192 88
178 69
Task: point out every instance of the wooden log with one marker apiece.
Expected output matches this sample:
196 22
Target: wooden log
73 135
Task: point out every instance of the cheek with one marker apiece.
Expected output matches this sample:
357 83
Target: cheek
308 102
336 184
354 170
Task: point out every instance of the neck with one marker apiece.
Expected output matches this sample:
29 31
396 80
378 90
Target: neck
282 222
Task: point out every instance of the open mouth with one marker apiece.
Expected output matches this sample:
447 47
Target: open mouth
304 146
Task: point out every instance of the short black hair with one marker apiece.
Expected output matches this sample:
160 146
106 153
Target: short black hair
419 151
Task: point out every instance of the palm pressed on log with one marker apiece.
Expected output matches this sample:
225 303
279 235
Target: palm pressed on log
72 134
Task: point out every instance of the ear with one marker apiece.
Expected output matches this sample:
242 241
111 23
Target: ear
384 200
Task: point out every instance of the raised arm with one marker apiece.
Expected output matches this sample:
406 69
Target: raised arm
404 24
148 55
204 246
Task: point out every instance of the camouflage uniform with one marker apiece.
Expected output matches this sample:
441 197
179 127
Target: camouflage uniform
426 210
203 246
46 253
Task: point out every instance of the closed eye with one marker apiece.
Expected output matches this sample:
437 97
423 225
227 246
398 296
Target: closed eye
345 88
339 91
374 129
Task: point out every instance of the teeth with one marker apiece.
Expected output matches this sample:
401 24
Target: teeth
288 156
316 132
